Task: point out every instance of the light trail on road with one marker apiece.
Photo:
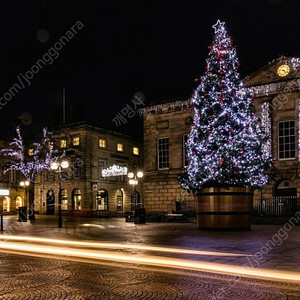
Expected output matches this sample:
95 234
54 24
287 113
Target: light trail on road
115 246
158 261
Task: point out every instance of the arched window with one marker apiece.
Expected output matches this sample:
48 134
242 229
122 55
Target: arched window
286 188
285 202
102 200
6 204
135 200
64 200
76 199
19 202
119 197
50 202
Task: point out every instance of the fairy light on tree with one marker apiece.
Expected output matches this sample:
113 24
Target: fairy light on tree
225 145
30 160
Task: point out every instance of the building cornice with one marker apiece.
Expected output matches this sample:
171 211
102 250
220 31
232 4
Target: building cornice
276 88
167 107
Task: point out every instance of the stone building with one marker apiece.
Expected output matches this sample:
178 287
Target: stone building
277 89
277 102
85 189
166 127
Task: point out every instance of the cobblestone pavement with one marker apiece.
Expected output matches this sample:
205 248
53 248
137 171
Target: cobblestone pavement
54 277
40 278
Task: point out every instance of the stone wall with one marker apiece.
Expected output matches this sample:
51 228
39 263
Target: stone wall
161 187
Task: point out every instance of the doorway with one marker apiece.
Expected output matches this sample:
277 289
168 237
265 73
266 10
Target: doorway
50 203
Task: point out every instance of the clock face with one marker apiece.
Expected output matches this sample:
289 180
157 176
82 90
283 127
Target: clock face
283 70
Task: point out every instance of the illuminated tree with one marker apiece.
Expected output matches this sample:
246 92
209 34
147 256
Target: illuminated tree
30 160
225 145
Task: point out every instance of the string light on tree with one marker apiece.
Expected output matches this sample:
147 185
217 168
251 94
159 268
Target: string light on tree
39 159
225 145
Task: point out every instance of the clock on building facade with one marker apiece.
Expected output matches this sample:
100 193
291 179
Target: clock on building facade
283 70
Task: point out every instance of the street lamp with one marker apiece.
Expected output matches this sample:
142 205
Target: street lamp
24 184
134 179
58 167
139 213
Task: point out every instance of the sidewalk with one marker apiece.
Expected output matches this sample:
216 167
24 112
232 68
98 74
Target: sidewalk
271 246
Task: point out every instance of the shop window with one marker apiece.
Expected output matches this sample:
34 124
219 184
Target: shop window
76 198
64 200
102 200
6 204
119 197
19 202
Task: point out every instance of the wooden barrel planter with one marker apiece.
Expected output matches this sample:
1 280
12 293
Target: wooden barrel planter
220 208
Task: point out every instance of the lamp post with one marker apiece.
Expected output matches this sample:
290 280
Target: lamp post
134 179
139 213
58 167
25 184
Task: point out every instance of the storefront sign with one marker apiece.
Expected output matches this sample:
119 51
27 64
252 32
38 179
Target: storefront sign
4 192
114 171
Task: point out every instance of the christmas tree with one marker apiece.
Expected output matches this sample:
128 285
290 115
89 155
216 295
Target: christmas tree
225 145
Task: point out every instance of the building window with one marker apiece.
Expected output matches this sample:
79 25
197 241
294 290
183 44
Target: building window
102 200
50 175
102 143
102 165
136 151
30 152
76 199
135 200
63 143
76 141
163 153
12 176
121 177
63 175
76 168
50 198
50 145
6 204
120 147
185 158
119 197
64 200
19 202
286 139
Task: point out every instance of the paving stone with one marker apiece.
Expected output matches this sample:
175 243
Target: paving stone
24 277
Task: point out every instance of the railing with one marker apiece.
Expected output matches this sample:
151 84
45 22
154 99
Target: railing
284 206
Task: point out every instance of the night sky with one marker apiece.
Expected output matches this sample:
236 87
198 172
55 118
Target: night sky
125 47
